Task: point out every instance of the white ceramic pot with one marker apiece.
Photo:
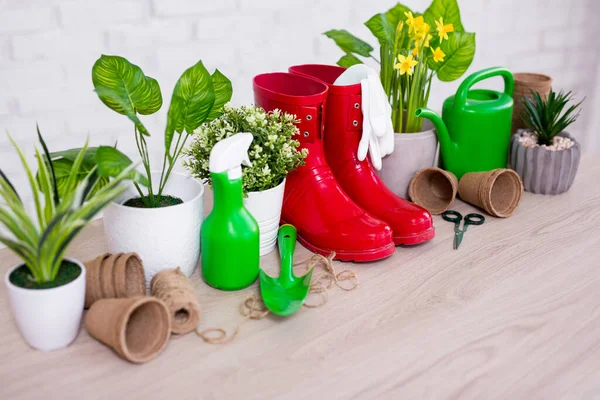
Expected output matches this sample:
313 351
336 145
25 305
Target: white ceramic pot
48 319
412 153
265 207
166 237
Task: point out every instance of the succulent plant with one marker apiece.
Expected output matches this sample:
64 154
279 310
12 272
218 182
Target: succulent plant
548 117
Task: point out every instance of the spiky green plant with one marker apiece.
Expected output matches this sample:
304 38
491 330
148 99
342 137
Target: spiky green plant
41 242
545 117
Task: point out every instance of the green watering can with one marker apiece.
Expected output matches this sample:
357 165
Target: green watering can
474 131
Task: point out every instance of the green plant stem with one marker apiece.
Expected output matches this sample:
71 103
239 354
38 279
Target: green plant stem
172 161
143 150
139 189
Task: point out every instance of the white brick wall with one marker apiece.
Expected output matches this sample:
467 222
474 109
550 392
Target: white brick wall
47 49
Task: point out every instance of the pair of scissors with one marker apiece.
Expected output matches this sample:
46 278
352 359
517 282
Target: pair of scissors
456 217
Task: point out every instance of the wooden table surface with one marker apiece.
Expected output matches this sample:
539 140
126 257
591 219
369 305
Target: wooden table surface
513 314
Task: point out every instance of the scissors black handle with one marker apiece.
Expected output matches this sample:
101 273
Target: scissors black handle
474 219
452 216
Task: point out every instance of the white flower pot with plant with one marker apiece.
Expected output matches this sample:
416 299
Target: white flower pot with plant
165 237
273 154
161 223
545 156
46 291
410 56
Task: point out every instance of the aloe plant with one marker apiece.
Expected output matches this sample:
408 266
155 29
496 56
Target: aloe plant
545 117
61 212
198 97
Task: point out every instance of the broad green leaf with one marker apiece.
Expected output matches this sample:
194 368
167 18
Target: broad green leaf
349 60
396 14
62 170
382 29
111 162
123 87
459 50
349 43
193 98
71 154
223 92
448 10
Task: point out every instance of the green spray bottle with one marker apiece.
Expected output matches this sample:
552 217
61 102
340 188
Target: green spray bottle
230 241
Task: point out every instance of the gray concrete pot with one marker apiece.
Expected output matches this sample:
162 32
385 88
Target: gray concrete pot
544 171
412 153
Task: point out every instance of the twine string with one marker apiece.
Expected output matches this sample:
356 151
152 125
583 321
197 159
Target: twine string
176 290
253 308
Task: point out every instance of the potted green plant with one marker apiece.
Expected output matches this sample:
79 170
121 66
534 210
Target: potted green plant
46 290
273 154
160 223
414 48
545 156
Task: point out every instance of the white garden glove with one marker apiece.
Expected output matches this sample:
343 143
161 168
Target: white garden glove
378 133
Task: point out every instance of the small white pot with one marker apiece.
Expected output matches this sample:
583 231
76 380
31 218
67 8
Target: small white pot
265 207
166 237
48 319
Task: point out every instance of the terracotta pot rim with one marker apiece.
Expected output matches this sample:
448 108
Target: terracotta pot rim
531 77
146 356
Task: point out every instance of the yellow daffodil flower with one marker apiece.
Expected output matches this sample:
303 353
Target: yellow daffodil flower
443 30
427 39
415 51
409 18
418 24
438 54
405 64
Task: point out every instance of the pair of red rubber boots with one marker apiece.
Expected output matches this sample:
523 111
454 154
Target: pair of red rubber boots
337 203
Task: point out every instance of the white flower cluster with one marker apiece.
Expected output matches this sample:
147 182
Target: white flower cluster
274 151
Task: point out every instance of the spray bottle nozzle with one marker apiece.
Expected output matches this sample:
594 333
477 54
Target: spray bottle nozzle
230 154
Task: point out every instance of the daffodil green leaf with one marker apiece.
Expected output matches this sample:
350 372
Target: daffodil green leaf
223 92
123 87
348 60
191 103
111 162
448 10
459 51
349 43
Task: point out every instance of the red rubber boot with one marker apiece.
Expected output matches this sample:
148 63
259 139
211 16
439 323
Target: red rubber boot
410 223
326 218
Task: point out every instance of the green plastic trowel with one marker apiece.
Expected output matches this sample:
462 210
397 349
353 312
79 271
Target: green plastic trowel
285 295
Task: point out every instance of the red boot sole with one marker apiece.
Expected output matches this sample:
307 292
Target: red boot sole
417 238
359 257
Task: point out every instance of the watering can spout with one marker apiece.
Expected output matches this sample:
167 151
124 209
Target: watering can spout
446 145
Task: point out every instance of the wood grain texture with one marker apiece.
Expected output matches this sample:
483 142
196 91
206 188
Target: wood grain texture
513 314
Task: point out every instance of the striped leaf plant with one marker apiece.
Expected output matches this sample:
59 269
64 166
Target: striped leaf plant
198 97
61 212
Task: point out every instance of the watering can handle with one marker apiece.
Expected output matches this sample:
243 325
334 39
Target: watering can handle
463 89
